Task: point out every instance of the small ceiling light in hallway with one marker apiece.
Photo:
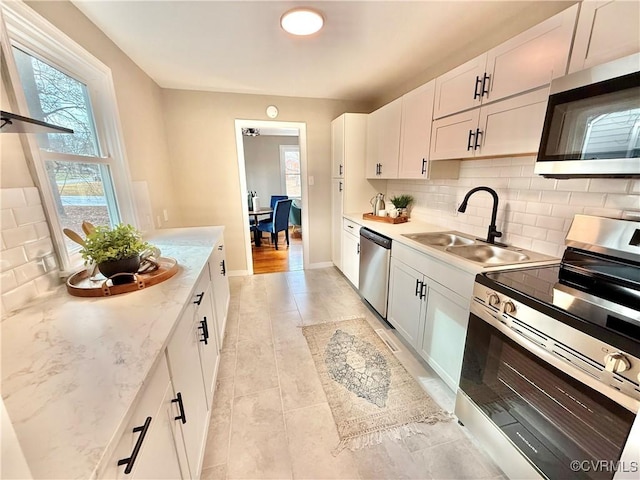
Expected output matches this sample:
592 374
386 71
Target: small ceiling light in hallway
302 21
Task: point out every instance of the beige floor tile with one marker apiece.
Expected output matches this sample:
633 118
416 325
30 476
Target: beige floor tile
389 460
453 460
217 448
231 329
312 436
254 326
255 368
299 382
227 367
287 330
219 472
258 448
437 434
222 401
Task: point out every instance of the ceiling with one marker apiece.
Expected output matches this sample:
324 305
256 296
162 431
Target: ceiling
367 48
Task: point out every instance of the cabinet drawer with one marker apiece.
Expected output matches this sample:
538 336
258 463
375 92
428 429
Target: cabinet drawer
202 287
459 281
149 404
351 227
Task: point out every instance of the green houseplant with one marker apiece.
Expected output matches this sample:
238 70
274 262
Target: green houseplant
115 250
402 202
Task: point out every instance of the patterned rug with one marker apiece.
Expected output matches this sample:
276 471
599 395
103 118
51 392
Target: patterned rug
370 393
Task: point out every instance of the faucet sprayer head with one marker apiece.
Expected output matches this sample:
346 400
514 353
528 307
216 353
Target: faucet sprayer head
463 207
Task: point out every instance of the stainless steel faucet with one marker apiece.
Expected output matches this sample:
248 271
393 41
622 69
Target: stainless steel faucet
493 232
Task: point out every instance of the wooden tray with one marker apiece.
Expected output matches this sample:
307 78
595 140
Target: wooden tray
375 218
80 285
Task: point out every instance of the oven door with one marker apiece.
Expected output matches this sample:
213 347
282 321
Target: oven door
552 418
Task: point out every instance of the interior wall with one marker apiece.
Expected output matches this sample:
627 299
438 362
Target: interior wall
262 165
533 212
202 146
139 103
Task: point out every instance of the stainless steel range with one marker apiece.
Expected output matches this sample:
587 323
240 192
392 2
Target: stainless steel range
551 370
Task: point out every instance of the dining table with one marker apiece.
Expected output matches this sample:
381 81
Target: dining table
257 213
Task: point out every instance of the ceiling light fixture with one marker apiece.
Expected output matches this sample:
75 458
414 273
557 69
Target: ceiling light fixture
302 21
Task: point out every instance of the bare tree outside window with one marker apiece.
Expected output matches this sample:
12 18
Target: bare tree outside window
80 178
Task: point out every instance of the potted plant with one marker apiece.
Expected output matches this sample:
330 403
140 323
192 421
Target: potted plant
402 202
115 251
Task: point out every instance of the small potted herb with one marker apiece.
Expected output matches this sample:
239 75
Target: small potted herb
115 251
402 202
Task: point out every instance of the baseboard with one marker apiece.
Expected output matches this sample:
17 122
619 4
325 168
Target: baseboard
320 265
238 273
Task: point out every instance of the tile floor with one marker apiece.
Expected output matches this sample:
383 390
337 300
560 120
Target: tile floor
271 419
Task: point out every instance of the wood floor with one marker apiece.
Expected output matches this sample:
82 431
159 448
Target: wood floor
266 259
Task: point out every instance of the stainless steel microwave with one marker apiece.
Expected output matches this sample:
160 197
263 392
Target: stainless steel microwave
592 124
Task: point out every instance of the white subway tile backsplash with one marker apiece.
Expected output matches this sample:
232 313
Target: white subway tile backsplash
512 172
551 223
517 205
635 186
548 248
517 183
29 271
555 197
567 211
525 218
8 281
42 229
39 249
573 185
603 212
15 237
556 236
12 258
12 197
47 282
609 185
529 195
27 215
541 183
523 161
539 208
19 297
587 199
536 233
6 219
631 202
32 196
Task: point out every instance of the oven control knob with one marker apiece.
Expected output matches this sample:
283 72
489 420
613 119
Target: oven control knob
493 300
616 363
509 307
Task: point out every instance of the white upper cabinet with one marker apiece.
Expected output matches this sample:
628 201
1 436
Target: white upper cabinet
606 31
417 111
460 89
509 127
337 147
383 141
525 62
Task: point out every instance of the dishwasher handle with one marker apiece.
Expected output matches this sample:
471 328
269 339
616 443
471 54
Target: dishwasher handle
376 238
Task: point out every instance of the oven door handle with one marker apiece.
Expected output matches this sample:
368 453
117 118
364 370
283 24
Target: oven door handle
541 352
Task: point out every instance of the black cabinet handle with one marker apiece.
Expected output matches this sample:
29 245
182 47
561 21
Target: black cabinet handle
340 187
423 290
380 170
424 166
223 268
476 93
340 169
136 449
220 247
418 288
358 250
471 135
178 400
199 298
478 141
485 85
205 331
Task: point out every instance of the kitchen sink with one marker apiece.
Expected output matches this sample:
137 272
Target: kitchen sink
488 254
440 239
475 250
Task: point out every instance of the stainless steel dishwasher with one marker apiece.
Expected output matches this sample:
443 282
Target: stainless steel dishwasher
375 257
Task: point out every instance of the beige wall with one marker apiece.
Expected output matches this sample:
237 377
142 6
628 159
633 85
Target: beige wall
139 103
202 146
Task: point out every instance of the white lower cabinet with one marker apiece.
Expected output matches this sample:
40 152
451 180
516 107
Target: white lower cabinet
218 268
183 356
151 446
351 252
429 307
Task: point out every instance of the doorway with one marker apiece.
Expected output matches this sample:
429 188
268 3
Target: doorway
268 155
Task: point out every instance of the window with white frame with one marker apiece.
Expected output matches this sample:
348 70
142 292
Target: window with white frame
83 176
290 169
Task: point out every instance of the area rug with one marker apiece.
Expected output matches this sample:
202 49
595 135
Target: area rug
370 393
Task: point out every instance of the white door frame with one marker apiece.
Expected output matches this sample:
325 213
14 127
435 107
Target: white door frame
302 141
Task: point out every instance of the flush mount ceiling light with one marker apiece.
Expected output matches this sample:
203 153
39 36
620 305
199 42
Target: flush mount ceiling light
302 21
250 132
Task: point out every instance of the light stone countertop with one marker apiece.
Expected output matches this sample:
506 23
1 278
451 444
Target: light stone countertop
396 231
72 367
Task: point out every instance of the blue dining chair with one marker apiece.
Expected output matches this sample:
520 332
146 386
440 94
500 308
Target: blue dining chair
272 204
280 221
